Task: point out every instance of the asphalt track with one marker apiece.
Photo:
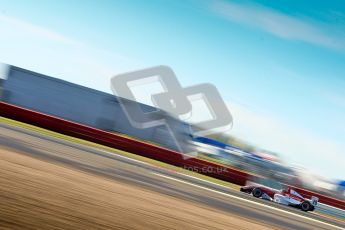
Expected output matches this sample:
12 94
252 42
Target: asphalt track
174 184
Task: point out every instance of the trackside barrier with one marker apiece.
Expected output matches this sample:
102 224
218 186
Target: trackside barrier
140 148
120 142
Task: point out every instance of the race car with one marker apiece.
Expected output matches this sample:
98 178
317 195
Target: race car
286 196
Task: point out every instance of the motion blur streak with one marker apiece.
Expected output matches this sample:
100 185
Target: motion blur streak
75 186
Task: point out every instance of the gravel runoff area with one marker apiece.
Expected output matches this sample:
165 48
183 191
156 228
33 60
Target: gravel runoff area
37 194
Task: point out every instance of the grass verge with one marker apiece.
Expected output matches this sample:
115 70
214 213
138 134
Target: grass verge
116 151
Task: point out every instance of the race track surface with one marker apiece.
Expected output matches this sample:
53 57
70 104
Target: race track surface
55 183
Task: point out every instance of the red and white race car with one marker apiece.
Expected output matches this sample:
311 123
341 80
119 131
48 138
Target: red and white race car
285 196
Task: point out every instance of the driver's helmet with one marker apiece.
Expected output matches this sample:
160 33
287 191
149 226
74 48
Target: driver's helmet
286 188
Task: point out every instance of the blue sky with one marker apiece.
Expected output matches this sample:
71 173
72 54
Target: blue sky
279 65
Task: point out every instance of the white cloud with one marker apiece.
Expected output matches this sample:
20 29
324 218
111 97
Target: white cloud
281 25
46 51
35 30
335 99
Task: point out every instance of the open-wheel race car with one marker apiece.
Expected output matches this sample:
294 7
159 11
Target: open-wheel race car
285 196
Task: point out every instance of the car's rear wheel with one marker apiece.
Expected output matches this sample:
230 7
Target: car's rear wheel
257 192
306 206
